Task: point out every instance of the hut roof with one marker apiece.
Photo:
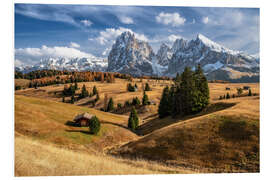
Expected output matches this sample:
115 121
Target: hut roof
84 115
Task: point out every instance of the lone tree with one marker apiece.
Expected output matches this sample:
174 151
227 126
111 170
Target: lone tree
147 87
249 92
110 106
164 108
228 96
133 120
94 125
95 91
145 100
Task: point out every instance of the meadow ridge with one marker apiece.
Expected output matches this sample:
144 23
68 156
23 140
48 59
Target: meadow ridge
192 144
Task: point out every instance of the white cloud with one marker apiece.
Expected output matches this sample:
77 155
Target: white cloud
18 63
205 20
110 34
173 37
173 19
86 22
74 45
35 54
126 20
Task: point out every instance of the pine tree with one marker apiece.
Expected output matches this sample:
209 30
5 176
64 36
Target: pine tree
72 99
249 92
147 87
233 96
136 101
97 97
220 97
63 99
94 125
76 85
228 96
84 92
133 120
163 108
145 100
239 91
110 106
202 89
95 91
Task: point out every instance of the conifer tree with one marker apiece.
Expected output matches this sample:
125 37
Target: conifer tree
94 125
63 99
163 108
228 96
72 99
136 101
110 106
133 120
147 87
249 92
145 100
95 91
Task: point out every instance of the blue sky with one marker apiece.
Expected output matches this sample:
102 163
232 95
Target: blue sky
83 30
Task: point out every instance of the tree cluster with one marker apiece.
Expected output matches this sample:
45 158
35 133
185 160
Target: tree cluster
189 95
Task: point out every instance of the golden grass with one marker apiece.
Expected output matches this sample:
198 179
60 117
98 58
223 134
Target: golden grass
45 120
33 158
198 142
193 142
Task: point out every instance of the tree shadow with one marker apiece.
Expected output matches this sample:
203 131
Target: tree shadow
157 123
77 130
72 123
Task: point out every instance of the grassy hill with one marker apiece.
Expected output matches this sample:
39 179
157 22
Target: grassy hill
223 141
45 120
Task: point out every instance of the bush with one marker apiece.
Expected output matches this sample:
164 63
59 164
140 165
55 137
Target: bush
130 88
94 125
127 103
119 105
239 91
228 96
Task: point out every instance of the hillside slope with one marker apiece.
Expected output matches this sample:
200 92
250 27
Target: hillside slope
45 120
224 141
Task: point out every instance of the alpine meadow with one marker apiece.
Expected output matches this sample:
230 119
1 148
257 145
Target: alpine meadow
122 90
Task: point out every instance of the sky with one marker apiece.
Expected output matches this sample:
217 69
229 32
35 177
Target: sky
43 30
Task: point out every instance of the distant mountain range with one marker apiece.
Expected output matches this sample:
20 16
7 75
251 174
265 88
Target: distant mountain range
136 57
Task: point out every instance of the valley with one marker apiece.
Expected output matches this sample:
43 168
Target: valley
167 145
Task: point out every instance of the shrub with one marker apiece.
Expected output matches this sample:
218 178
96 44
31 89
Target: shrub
127 103
94 125
119 105
95 91
130 88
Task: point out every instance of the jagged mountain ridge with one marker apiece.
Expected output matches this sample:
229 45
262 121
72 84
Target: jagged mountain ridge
71 64
130 55
136 57
217 61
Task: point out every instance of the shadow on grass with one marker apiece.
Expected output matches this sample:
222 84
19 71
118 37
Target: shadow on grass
80 131
158 123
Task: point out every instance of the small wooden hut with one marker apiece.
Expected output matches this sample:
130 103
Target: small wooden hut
83 119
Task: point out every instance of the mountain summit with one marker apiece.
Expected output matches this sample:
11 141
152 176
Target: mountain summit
130 55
